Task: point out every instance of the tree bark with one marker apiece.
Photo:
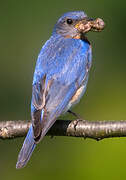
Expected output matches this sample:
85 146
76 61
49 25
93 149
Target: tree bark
78 128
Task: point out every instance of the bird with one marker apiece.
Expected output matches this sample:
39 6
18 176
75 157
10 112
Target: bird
60 76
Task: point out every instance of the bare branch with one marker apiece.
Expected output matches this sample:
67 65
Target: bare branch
78 128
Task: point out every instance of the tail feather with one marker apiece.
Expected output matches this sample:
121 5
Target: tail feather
27 149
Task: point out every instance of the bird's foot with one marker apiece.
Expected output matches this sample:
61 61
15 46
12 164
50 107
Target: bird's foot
74 114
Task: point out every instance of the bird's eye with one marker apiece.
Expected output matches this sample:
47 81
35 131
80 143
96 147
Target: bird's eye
69 21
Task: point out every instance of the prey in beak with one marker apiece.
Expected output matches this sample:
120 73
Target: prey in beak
88 24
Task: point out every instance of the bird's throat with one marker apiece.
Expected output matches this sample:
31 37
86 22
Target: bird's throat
82 37
79 36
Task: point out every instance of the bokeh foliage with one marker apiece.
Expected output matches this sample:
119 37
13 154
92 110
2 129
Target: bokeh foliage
24 27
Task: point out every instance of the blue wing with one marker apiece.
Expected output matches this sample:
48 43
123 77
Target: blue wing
64 62
60 71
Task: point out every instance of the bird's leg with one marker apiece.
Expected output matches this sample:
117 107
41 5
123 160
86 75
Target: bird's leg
74 114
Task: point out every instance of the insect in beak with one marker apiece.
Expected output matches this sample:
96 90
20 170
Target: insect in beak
89 24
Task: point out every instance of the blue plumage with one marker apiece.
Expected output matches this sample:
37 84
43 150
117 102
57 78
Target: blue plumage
27 149
60 79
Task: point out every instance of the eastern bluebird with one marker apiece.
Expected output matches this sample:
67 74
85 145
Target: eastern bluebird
60 76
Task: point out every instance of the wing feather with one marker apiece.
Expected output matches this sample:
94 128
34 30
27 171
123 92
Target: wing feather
59 72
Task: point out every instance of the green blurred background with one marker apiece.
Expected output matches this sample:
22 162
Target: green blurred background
24 27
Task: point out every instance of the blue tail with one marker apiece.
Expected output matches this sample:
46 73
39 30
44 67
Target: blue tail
27 149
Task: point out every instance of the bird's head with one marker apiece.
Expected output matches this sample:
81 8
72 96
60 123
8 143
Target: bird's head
75 24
